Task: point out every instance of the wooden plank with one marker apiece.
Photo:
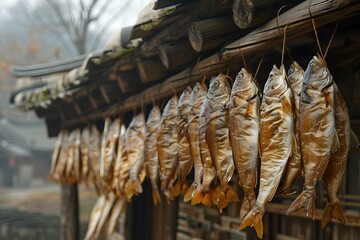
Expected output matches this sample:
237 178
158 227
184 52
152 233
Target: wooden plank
298 23
166 3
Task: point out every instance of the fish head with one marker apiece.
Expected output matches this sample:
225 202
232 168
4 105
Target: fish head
185 95
198 90
316 77
295 73
245 84
155 113
276 84
219 89
171 106
138 120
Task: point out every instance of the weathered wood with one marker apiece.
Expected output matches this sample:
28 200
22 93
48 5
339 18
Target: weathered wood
69 219
251 13
212 33
178 30
128 81
266 37
151 69
166 3
176 55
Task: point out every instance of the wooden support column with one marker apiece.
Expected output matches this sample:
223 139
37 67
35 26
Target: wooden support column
69 219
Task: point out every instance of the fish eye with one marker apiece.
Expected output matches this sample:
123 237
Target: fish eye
216 83
271 75
241 76
291 70
312 64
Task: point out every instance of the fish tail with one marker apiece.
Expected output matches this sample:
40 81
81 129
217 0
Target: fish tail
198 197
189 193
284 192
175 191
333 210
254 219
215 195
184 188
247 204
304 201
133 188
222 201
231 195
207 200
156 196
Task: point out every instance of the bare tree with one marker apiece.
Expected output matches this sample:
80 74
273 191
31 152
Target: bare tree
78 24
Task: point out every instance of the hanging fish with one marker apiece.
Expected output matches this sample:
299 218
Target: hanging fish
117 189
196 99
244 128
209 191
317 131
114 216
336 167
95 217
124 164
151 154
104 141
135 154
185 160
217 136
84 152
94 156
277 142
105 214
56 155
294 166
167 146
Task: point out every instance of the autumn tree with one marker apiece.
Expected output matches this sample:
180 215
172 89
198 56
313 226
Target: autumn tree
78 24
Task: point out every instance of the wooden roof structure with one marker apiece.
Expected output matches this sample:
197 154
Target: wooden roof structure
187 42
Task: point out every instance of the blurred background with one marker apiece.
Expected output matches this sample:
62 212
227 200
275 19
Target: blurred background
35 32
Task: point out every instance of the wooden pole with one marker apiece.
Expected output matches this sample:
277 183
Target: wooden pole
69 219
213 33
265 37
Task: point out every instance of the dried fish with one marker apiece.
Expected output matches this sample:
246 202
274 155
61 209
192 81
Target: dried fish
94 156
317 131
104 140
244 127
185 160
59 145
135 154
105 213
336 167
95 217
197 97
151 154
117 189
114 216
84 152
277 142
294 166
167 146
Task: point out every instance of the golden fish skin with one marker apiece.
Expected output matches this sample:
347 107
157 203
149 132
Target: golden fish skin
124 164
63 158
114 216
167 146
317 131
56 155
294 166
151 154
105 214
84 145
185 160
118 191
95 217
104 140
217 136
276 143
196 99
135 154
204 191
336 167
244 128
94 156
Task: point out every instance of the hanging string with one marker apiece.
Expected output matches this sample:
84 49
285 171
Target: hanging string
315 31
283 46
278 27
331 39
258 67
243 59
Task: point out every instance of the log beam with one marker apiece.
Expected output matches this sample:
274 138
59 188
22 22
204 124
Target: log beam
298 21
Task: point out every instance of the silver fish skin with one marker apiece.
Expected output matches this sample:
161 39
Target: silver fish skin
244 128
277 142
294 166
167 145
151 154
317 131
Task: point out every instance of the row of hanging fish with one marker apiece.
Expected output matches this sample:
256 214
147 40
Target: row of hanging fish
300 127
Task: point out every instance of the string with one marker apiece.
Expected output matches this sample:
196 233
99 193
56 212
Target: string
243 59
331 39
315 31
278 27
258 67
283 47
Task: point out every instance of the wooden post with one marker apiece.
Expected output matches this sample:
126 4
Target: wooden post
69 219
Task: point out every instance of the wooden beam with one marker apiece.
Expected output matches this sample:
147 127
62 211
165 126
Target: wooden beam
69 219
166 3
177 55
263 38
213 33
151 69
178 30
